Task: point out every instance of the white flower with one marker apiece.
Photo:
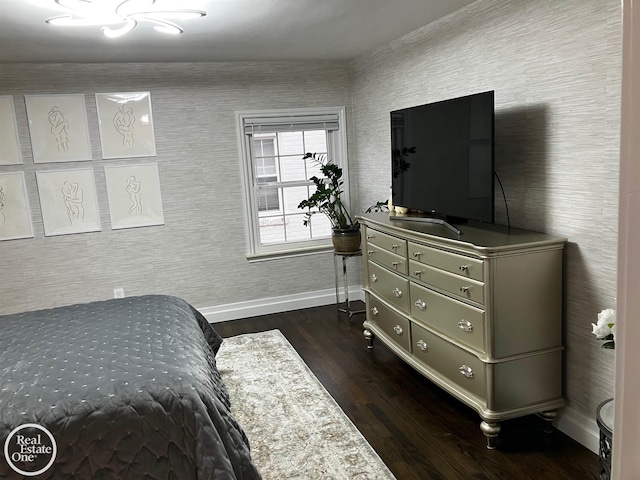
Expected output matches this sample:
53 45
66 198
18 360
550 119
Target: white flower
601 330
606 326
608 315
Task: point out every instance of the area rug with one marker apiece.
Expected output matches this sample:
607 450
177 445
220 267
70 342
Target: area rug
296 429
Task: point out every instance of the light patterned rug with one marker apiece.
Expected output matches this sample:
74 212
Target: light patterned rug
296 429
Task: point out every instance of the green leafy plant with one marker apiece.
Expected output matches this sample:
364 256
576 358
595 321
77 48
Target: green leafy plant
326 199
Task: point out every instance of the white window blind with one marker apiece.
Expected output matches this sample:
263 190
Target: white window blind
299 123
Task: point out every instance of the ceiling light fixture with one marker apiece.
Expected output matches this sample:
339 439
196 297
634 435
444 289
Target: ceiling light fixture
125 17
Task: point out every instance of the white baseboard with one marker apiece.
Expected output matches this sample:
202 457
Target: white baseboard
581 428
265 306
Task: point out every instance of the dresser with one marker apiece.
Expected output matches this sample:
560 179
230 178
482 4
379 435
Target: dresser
479 313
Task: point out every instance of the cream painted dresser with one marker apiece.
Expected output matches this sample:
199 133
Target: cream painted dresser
479 314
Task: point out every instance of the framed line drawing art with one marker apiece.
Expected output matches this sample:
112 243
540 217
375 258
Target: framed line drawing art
10 153
134 195
68 201
126 125
58 128
15 215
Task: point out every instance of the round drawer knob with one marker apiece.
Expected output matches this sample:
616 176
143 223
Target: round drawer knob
374 278
421 304
464 289
417 254
465 325
466 370
375 310
397 292
422 345
395 264
463 268
398 329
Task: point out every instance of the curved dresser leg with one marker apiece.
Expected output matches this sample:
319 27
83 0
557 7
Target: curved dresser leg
549 416
369 336
491 431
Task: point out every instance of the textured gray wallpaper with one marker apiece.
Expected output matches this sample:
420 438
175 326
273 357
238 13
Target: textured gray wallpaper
555 68
199 254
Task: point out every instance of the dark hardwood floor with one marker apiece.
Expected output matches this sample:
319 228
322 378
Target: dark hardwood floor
419 431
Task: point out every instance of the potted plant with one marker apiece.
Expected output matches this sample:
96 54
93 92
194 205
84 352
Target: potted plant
326 199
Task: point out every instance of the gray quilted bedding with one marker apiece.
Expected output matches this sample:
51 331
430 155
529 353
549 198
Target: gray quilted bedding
128 388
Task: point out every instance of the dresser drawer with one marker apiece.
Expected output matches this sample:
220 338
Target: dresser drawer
464 288
454 319
390 260
454 363
387 242
390 286
450 262
394 325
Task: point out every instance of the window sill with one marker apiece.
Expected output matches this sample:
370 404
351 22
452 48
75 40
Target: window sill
288 253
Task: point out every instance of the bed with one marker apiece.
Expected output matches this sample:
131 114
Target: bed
128 388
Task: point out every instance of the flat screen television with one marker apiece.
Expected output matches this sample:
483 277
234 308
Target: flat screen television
442 159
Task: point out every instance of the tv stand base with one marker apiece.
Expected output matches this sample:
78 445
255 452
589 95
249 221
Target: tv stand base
439 221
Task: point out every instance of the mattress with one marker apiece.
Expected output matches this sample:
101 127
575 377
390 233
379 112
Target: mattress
120 389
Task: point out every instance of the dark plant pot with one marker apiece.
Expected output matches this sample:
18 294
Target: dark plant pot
346 240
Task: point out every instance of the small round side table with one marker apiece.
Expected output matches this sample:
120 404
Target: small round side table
345 281
604 417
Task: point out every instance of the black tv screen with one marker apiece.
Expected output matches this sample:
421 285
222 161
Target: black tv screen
443 158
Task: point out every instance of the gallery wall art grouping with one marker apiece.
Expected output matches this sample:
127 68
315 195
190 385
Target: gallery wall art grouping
59 133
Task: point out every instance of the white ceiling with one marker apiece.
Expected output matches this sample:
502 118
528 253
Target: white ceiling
232 30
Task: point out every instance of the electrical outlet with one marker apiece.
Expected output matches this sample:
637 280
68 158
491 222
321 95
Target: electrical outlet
118 293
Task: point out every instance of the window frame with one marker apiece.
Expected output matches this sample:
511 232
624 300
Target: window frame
337 151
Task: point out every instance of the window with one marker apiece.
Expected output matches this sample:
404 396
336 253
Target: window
276 178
